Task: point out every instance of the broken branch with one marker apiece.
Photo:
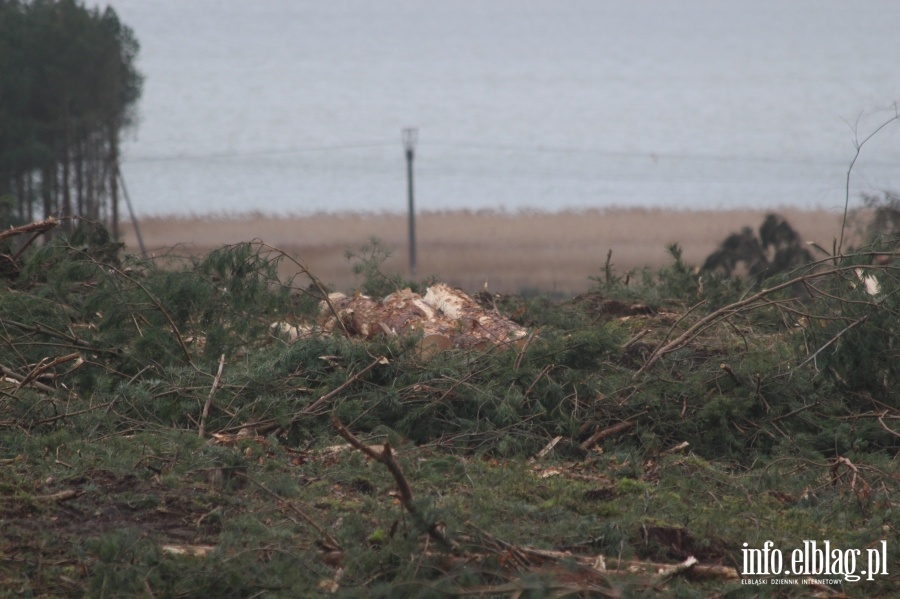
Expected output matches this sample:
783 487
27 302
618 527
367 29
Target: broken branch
38 227
602 434
319 402
386 457
45 366
57 497
306 517
748 303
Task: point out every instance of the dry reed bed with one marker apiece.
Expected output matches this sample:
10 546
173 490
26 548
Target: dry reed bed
511 252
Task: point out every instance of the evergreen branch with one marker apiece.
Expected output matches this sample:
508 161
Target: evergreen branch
69 414
736 307
315 281
856 322
25 245
265 426
155 300
319 402
679 319
59 335
306 517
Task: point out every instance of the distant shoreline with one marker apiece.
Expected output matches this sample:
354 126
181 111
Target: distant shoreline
507 251
500 212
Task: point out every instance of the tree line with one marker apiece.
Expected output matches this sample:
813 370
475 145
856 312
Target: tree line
68 88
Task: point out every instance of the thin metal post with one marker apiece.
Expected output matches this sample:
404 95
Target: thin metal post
409 141
134 219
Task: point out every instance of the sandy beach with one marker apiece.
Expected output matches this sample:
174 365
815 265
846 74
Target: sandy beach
555 252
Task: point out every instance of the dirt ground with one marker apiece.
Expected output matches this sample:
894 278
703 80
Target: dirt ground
508 252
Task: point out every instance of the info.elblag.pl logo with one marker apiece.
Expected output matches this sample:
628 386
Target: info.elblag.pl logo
814 559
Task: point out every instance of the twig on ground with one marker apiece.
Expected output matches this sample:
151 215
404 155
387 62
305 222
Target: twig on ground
266 426
680 447
772 421
42 330
58 497
548 447
518 588
529 557
18 254
69 414
332 542
731 373
695 572
678 321
540 375
640 335
386 457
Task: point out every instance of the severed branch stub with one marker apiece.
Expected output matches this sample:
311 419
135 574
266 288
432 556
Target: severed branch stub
44 366
209 398
862 490
36 227
386 457
674 571
9 264
602 434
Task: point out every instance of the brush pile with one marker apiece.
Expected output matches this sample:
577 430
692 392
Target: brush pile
443 317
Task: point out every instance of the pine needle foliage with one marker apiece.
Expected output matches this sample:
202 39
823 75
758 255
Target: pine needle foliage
368 264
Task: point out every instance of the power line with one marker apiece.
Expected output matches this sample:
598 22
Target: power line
262 152
545 149
644 155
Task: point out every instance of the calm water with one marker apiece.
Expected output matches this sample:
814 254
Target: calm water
297 105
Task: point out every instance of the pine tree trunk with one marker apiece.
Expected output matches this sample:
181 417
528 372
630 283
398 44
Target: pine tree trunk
114 180
20 196
66 168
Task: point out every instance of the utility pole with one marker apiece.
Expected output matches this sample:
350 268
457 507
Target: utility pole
410 136
137 227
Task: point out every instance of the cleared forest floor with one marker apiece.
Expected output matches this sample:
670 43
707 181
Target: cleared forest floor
213 429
